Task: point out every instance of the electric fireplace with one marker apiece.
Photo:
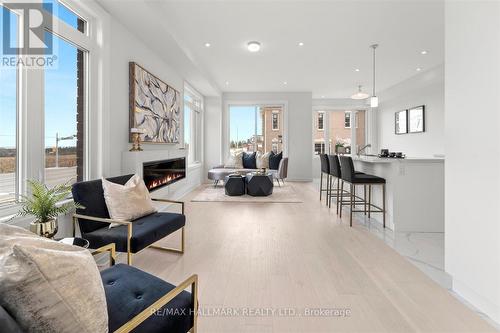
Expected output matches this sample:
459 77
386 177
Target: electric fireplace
162 173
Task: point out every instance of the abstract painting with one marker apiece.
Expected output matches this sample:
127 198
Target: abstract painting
154 107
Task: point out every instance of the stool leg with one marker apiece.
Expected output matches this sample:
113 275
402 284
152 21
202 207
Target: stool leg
364 195
327 188
320 186
383 203
338 191
341 199
369 200
353 196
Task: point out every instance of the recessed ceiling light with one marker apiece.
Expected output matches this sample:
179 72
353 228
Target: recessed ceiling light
285 83
207 44
301 44
322 96
356 70
227 83
423 52
419 69
253 46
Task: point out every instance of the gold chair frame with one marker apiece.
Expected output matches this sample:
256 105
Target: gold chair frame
129 230
165 299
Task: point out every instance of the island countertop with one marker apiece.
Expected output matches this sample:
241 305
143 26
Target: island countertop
415 191
376 159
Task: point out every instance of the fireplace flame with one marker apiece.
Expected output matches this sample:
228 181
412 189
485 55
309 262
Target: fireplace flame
163 181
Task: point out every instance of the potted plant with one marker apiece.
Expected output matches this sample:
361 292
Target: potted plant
44 205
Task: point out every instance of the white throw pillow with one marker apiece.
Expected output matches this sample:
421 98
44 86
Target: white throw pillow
263 160
235 161
49 286
127 202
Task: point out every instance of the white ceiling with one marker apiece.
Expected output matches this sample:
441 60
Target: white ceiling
336 37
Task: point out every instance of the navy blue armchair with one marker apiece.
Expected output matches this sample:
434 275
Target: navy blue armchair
130 237
138 302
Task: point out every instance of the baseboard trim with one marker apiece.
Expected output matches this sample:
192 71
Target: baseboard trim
482 305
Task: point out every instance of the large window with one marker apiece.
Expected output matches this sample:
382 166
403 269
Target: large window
64 115
8 118
47 113
338 132
193 109
255 128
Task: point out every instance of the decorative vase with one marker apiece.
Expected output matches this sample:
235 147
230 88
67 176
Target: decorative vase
45 229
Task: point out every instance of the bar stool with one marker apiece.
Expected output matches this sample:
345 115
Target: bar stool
350 176
325 169
336 175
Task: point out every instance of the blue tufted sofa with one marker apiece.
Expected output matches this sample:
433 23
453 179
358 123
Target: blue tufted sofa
94 220
138 302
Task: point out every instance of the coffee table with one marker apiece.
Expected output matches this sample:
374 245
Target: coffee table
259 184
234 185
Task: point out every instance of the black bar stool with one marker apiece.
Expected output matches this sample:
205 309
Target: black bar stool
325 169
336 175
350 176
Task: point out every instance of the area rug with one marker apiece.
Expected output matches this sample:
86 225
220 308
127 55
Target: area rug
283 194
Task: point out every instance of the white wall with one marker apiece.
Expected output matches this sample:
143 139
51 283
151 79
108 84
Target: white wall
213 133
126 47
427 89
472 178
298 127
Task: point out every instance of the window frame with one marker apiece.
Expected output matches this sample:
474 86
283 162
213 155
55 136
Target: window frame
277 115
195 155
322 114
30 162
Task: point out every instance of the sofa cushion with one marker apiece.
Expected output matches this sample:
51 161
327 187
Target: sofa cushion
263 160
274 160
91 196
129 201
249 161
47 286
129 291
235 160
145 231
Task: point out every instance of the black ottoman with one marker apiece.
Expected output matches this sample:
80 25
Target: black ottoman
234 185
259 184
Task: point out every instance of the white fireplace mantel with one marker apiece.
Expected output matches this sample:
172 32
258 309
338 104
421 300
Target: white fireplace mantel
132 162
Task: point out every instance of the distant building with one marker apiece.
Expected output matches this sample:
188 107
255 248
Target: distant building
339 128
272 123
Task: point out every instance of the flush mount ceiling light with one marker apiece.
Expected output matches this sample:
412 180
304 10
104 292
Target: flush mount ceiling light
227 83
301 44
253 46
418 69
356 70
374 98
424 52
360 94
207 44
285 83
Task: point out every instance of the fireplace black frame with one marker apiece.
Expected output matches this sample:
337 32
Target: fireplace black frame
181 169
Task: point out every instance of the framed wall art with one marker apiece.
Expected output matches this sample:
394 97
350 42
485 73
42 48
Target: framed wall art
154 107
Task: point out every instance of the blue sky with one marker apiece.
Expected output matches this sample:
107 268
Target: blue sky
242 122
60 90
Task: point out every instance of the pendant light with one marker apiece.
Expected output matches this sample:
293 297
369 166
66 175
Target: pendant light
360 94
374 98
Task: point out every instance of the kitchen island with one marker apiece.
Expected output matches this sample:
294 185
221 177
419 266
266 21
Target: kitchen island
414 191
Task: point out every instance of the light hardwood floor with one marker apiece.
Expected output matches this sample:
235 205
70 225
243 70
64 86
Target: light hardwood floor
299 256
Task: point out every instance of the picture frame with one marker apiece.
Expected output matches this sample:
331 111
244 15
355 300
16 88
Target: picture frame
401 122
154 108
416 119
